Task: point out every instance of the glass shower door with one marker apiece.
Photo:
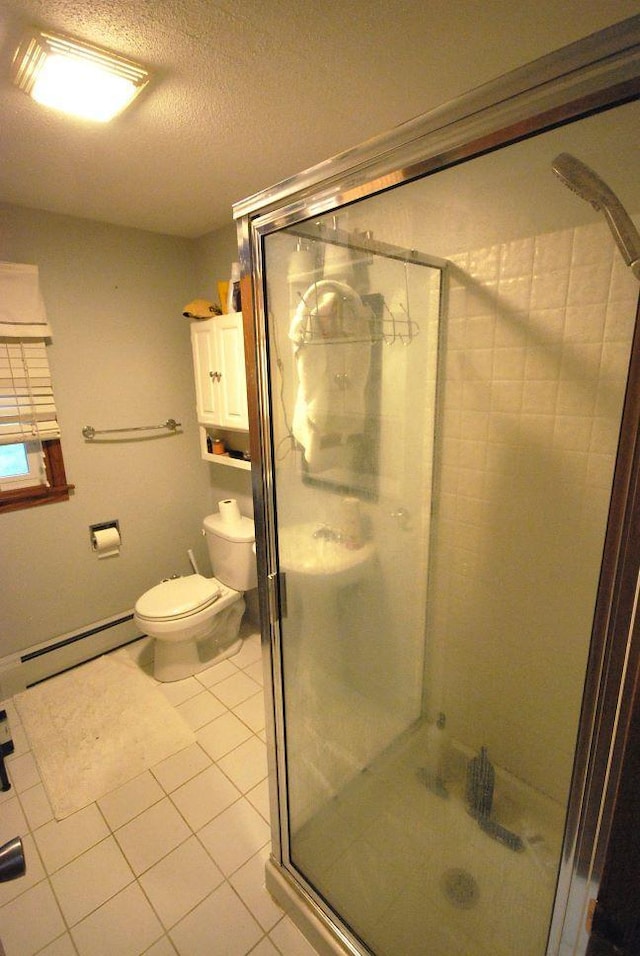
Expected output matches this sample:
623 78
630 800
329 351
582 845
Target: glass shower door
354 330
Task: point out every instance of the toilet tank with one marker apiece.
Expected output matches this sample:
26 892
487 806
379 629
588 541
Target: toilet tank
231 550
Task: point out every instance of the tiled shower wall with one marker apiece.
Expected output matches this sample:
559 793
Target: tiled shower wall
538 337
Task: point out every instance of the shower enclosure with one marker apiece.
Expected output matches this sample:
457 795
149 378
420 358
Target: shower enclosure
437 363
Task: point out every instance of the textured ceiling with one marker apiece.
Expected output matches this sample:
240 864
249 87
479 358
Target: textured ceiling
247 93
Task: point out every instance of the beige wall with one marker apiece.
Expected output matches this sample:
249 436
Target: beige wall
213 255
120 356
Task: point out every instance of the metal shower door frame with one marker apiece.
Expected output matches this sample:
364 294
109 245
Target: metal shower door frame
595 74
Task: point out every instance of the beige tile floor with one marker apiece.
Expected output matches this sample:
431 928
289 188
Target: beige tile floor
170 863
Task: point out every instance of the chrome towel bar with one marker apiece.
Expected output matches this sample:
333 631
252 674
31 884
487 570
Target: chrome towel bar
90 432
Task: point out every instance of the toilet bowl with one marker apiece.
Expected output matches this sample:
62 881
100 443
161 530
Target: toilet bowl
195 620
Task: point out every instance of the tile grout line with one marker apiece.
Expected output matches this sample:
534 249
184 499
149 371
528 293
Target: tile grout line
253 734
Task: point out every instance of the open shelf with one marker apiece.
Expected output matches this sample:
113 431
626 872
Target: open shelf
233 439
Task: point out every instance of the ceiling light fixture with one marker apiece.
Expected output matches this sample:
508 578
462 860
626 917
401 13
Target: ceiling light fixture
75 77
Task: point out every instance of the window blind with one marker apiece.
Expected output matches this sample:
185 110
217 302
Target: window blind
27 407
22 310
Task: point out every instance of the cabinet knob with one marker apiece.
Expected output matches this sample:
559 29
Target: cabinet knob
216 376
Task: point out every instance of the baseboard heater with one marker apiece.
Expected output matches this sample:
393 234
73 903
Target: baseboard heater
37 663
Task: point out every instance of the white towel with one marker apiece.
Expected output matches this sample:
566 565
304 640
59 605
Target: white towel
22 311
332 345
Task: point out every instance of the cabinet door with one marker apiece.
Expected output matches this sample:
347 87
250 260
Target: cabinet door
233 381
205 366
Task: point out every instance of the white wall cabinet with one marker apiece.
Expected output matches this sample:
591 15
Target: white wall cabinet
221 382
221 385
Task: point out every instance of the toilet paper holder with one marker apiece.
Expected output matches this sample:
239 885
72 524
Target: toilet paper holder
102 526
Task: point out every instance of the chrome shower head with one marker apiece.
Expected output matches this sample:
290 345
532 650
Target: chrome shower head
585 183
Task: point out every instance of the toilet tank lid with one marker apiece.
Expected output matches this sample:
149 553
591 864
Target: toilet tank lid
241 531
178 596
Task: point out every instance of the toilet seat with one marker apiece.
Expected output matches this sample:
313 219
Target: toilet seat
178 598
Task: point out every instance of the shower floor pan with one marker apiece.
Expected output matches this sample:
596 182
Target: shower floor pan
412 872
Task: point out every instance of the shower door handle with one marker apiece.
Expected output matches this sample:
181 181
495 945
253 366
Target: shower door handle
277 582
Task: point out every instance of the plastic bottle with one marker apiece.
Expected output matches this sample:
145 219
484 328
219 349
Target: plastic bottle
233 294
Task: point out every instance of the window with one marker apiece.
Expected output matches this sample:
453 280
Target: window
14 462
21 465
31 465
43 485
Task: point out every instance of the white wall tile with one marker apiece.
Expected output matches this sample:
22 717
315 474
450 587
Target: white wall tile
553 252
516 258
589 284
592 246
534 380
484 264
549 290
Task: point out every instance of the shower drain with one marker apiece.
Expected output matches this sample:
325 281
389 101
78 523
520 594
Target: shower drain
460 888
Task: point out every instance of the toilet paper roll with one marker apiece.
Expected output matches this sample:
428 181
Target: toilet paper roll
229 511
106 542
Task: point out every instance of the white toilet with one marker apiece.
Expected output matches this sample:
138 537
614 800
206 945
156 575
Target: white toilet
194 619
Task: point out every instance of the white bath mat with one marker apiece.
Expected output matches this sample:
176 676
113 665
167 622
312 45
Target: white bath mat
96 727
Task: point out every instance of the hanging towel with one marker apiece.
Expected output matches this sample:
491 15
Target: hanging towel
22 311
332 347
